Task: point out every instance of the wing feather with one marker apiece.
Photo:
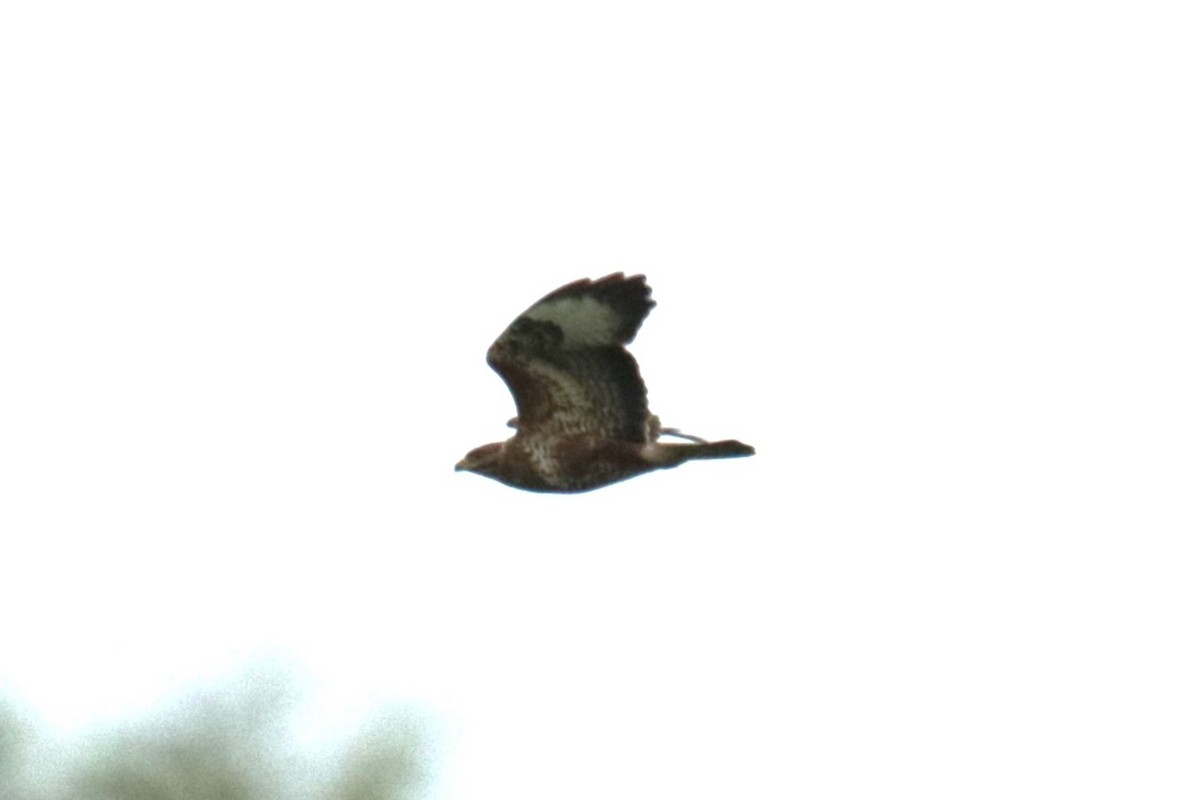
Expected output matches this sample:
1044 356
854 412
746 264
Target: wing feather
565 362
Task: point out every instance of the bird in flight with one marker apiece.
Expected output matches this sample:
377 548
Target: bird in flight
582 418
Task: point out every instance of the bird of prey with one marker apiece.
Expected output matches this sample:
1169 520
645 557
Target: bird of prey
582 418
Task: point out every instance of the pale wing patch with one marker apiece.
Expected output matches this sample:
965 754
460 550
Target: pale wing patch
584 321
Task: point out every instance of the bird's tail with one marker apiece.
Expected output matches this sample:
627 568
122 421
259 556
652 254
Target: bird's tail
671 455
726 448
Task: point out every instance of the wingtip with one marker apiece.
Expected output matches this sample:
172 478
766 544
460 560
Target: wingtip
616 309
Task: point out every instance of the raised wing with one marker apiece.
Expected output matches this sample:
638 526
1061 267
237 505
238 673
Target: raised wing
565 361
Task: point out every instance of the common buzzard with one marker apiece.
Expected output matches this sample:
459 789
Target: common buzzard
582 420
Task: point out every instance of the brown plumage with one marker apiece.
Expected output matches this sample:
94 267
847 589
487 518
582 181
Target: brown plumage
582 418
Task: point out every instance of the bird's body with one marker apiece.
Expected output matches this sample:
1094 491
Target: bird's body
582 416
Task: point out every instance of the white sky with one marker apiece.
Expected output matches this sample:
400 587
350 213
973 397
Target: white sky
936 261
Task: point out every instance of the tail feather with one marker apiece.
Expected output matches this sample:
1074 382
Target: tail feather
726 448
671 455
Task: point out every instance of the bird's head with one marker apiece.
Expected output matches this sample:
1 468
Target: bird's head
482 459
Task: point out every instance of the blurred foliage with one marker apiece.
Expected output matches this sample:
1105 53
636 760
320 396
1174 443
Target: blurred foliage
14 739
382 762
229 743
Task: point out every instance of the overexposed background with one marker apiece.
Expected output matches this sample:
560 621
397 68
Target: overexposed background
936 261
